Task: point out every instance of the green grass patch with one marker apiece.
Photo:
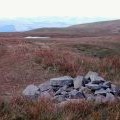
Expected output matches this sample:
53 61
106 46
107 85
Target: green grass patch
96 51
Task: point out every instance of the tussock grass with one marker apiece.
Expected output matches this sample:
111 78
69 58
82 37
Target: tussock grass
21 109
73 64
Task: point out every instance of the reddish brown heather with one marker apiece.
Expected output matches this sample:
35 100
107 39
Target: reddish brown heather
21 109
24 62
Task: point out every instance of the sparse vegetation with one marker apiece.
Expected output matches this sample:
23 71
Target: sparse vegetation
21 109
95 50
72 64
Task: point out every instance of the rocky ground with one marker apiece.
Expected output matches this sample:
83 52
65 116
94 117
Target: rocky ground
90 87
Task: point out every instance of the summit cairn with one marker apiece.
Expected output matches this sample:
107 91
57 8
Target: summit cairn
90 87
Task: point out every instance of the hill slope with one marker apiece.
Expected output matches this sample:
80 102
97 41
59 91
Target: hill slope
90 29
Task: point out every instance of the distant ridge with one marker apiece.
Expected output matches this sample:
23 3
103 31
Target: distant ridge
107 24
25 24
103 28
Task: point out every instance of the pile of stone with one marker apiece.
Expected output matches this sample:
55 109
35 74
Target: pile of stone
90 87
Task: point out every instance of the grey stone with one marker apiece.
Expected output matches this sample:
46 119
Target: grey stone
85 90
91 75
104 86
61 90
98 80
64 93
31 90
103 99
78 82
107 83
101 92
45 86
115 89
108 90
76 95
61 81
93 86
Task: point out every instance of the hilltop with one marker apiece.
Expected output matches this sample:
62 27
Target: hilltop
103 28
29 23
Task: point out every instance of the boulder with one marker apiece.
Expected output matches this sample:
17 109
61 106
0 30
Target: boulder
78 82
91 75
74 94
44 86
61 81
115 89
98 80
31 90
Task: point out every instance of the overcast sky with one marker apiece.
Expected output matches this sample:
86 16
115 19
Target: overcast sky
81 8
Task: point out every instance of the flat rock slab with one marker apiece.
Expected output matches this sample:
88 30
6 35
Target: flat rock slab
101 92
98 80
61 81
93 86
44 86
108 83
